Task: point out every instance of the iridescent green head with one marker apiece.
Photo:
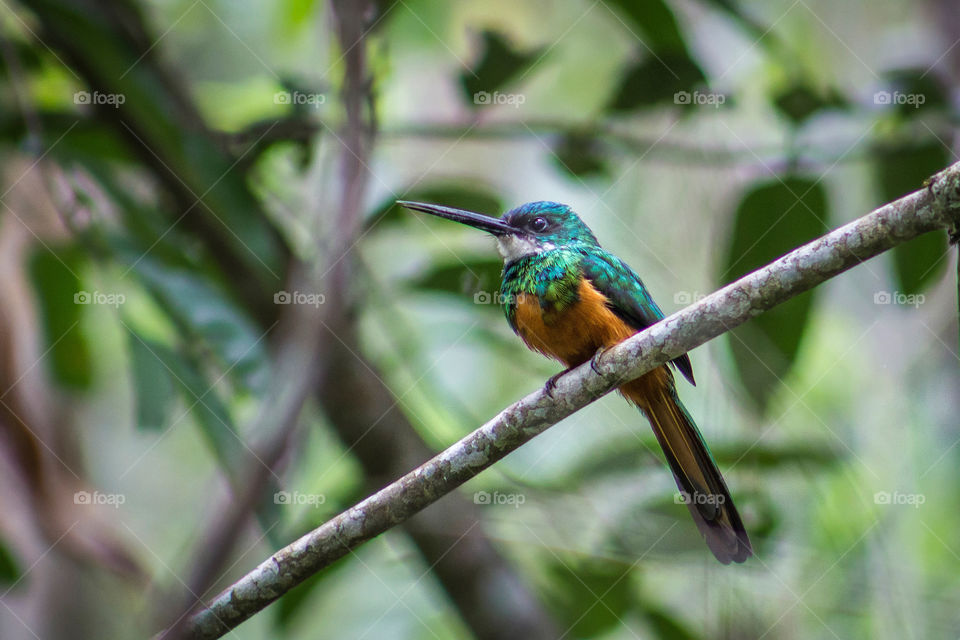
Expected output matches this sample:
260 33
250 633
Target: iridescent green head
529 229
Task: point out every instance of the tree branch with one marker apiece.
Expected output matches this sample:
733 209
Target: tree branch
619 139
936 207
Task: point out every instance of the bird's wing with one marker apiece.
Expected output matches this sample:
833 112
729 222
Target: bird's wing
628 296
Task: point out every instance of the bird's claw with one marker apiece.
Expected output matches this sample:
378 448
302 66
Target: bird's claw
551 383
594 361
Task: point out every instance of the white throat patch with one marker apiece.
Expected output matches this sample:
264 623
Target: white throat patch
513 247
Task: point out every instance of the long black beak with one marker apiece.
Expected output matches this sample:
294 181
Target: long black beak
496 226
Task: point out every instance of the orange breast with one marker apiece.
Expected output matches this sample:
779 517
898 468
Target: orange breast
574 335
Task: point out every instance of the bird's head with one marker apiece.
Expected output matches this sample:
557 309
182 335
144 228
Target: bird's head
529 229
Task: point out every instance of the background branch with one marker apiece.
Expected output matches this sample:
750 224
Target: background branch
369 419
449 541
768 155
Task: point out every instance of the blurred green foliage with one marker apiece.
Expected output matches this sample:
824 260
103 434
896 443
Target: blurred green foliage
499 63
808 410
772 219
62 298
901 169
10 570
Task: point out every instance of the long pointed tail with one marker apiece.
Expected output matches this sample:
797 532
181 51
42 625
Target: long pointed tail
698 478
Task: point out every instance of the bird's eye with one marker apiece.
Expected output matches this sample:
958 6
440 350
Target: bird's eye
539 224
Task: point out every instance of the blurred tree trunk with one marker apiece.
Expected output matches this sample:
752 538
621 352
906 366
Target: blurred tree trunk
107 44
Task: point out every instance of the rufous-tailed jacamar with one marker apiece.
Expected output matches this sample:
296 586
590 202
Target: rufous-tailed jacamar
569 299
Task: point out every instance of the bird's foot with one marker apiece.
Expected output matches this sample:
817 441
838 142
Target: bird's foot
595 360
551 383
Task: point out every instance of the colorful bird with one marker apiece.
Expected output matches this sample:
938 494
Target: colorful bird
569 299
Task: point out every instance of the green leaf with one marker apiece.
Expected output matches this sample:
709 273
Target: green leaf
460 196
152 381
776 456
62 299
629 458
655 21
10 569
913 90
145 227
204 401
499 63
901 169
633 456
665 626
799 101
580 154
480 277
666 68
589 596
204 310
296 14
655 80
920 261
68 139
87 142
384 12
29 57
216 424
772 219
762 34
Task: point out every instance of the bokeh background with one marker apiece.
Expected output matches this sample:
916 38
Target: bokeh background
216 331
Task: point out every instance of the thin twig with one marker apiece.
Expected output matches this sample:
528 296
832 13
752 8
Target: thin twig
766 155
